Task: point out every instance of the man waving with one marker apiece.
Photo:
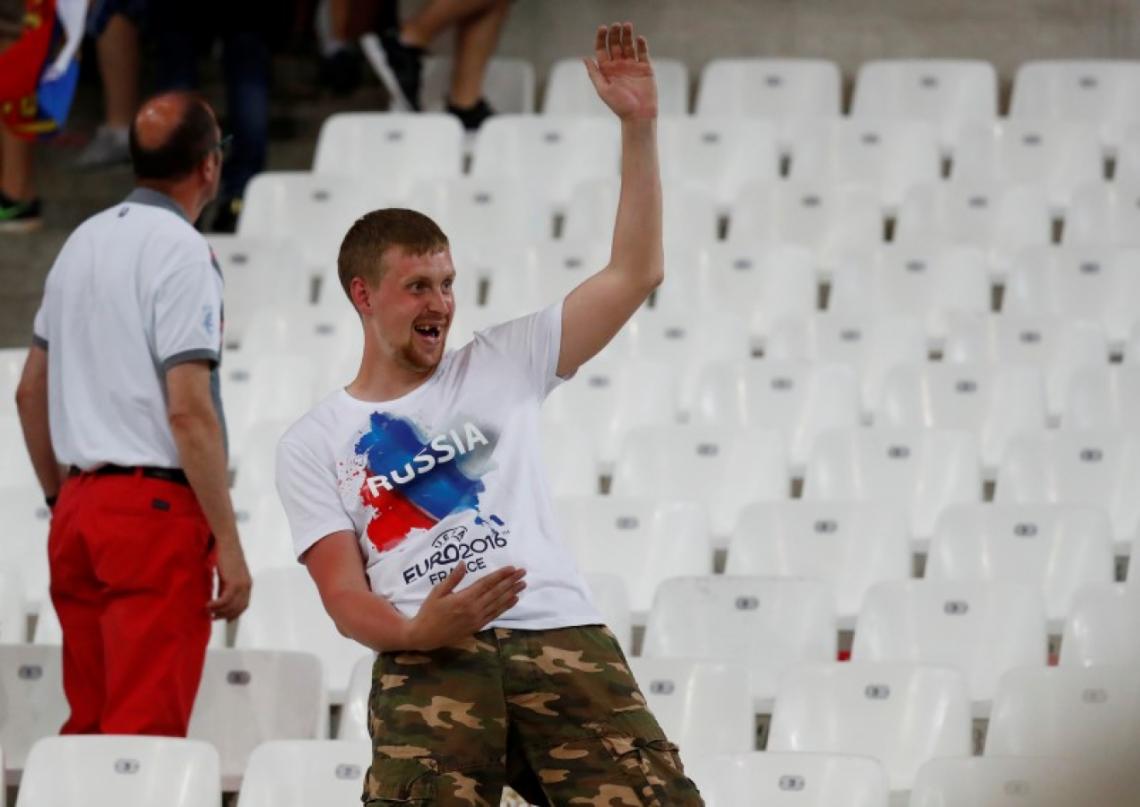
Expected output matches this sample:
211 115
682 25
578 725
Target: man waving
418 501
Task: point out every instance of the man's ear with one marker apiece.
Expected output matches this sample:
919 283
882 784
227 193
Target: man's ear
360 295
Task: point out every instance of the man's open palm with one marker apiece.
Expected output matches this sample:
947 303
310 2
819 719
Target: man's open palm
622 73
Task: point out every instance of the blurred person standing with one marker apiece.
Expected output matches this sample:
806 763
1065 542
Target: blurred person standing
121 416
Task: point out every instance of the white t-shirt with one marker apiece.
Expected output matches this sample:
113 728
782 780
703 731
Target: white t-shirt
450 472
133 292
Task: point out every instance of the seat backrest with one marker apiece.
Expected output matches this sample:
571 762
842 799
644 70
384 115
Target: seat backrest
300 773
249 696
770 88
703 706
789 780
26 524
1103 626
1081 712
569 90
32 703
689 212
900 714
770 625
722 467
1104 213
996 782
644 540
718 155
1103 92
610 596
1055 548
571 467
981 629
353 723
108 771
394 148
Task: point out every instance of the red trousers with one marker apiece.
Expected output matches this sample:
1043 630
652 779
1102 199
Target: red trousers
131 572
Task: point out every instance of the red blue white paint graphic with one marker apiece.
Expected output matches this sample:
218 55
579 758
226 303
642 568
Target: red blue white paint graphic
412 482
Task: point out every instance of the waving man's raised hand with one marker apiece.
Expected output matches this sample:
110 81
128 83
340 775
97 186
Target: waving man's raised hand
622 73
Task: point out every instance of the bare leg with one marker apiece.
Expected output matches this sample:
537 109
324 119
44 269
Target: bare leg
17 181
118 51
434 17
475 43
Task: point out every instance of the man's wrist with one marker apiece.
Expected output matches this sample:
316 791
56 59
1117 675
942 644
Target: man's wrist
409 635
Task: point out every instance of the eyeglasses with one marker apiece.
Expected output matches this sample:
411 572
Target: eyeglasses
224 146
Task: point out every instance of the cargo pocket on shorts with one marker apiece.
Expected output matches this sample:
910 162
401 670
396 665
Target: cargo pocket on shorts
399 782
654 770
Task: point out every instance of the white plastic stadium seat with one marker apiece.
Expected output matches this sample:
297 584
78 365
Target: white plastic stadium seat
610 596
1107 397
768 625
1056 549
1104 214
992 402
257 386
508 84
870 344
287 614
995 781
722 467
13 621
948 94
570 92
643 541
799 400
789 780
393 149
265 537
759 283
32 703
15 465
689 213
1103 626
1090 283
981 629
927 282
26 523
607 397
924 471
478 210
1065 712
1059 156
249 696
1103 93
310 212
11 368
353 723
301 773
794 93
901 714
121 770
687 340
550 153
1000 220
539 276
718 155
1055 346
255 466
258 273
703 706
835 223
1093 467
886 155
850 546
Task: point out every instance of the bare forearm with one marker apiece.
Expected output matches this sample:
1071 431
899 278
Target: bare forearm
637 246
371 620
32 404
201 450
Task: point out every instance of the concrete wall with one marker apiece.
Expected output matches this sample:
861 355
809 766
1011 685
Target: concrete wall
849 32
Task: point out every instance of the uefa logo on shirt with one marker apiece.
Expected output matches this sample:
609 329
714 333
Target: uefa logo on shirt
208 319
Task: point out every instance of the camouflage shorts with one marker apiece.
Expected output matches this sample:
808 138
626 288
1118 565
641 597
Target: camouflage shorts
555 714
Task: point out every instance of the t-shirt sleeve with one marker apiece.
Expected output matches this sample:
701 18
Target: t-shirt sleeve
309 495
188 315
534 341
40 327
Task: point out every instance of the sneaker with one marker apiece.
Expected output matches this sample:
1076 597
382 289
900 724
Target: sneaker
108 147
401 70
19 217
340 72
226 219
471 117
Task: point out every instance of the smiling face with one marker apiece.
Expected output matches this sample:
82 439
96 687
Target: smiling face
408 313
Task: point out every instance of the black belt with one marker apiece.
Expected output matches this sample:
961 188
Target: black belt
176 475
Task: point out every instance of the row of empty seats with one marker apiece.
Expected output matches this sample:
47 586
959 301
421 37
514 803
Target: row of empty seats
901 715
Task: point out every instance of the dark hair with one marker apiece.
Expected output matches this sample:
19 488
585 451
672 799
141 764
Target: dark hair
186 145
362 250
